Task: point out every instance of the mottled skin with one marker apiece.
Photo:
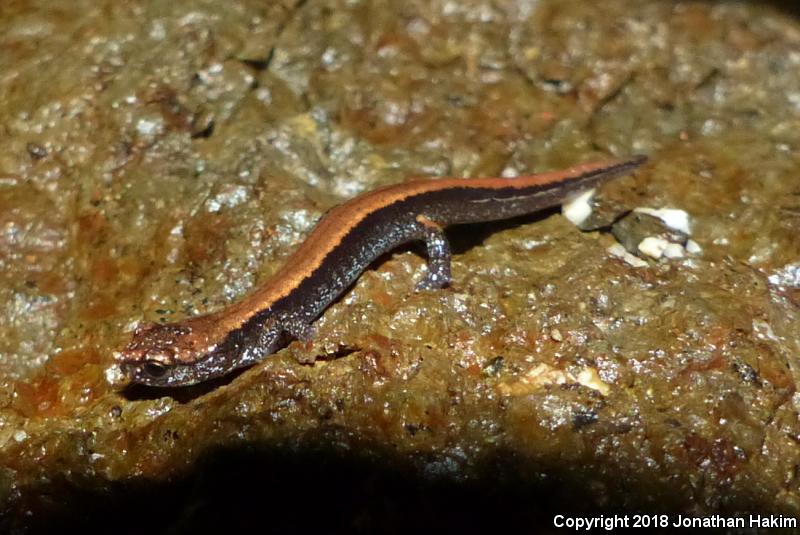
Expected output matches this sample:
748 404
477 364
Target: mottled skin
336 252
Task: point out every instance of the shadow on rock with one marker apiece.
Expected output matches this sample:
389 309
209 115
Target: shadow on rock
320 485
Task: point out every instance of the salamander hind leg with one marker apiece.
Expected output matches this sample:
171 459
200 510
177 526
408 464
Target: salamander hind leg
439 255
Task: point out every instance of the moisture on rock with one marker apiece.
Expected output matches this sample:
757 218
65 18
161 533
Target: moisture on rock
158 160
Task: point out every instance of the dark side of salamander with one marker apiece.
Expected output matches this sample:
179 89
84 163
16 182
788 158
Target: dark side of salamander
202 347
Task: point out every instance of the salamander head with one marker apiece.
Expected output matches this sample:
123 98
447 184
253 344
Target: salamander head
187 353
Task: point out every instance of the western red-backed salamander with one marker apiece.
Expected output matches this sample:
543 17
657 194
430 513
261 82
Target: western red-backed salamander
344 242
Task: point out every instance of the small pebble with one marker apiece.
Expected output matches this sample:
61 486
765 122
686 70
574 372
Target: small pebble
674 250
653 246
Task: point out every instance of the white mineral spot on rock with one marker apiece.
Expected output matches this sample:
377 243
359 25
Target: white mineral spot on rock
788 275
148 127
672 217
161 407
229 197
157 30
692 247
509 172
544 374
764 331
620 252
20 435
556 335
539 376
577 208
113 373
589 378
264 95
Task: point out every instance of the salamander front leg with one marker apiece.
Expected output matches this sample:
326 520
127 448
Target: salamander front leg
438 255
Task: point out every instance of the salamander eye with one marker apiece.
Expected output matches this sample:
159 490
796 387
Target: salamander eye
154 369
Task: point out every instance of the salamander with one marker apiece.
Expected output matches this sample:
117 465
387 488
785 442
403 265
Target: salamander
341 246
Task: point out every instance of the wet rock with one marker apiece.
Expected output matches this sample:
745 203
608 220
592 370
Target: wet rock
160 160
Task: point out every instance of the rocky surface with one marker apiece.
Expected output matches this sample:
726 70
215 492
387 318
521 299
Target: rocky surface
159 159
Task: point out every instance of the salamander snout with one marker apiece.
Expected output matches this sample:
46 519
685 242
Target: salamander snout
192 351
157 352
